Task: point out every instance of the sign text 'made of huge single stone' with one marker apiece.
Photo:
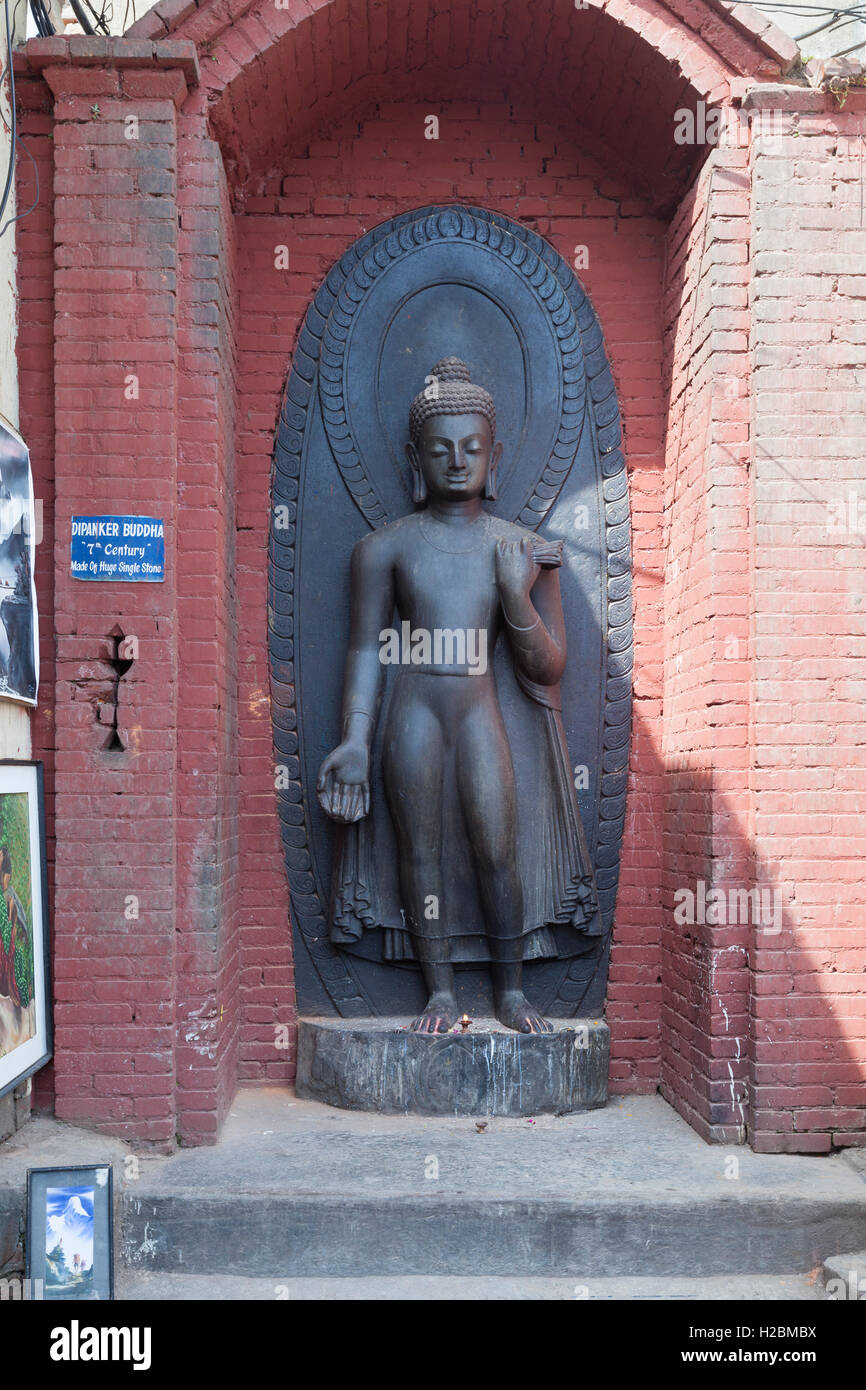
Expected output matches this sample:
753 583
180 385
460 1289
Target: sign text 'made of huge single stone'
130 548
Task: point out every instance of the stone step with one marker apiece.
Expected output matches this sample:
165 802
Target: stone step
421 1288
321 1235
298 1190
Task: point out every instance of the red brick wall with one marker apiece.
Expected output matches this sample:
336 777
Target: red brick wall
809 337
208 1019
141 355
115 256
706 747
317 204
764 1014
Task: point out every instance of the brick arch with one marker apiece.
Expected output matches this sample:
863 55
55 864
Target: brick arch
742 41
271 78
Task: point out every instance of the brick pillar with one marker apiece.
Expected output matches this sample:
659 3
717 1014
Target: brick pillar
809 347
116 391
208 804
708 830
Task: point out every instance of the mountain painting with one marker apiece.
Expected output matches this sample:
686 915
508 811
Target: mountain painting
69 1236
69 1240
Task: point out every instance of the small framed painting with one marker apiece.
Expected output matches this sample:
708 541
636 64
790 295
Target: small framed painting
70 1238
25 1000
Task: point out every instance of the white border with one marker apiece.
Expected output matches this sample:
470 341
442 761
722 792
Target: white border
28 1055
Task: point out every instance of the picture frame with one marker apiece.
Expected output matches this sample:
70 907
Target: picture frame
69 1239
19 618
25 974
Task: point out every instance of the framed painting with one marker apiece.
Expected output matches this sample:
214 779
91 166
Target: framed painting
19 628
25 999
70 1236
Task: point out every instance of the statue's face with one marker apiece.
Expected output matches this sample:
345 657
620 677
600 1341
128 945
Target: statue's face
454 455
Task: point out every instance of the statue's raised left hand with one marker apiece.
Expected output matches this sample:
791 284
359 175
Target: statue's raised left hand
343 785
516 569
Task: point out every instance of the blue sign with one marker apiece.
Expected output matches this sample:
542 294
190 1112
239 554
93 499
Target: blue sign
130 548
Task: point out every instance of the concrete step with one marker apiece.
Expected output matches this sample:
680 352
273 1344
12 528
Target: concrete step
420 1288
298 1191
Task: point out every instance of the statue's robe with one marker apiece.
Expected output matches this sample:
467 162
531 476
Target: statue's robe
559 896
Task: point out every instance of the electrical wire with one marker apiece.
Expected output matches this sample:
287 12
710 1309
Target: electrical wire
102 17
809 11
33 205
78 11
13 133
42 19
46 18
834 22
14 137
98 25
832 17
853 49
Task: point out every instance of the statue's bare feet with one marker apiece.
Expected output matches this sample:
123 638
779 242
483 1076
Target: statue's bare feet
515 1011
439 1016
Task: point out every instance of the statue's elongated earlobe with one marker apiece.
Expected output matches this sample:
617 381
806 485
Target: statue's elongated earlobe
419 487
489 493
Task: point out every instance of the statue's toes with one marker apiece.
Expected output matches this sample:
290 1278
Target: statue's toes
534 1023
426 1023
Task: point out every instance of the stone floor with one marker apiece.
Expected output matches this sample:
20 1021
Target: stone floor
418 1288
299 1200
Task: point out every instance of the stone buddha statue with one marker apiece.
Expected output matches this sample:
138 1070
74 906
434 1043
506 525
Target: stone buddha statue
484 869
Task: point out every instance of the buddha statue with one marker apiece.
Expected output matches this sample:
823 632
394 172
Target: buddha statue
485 871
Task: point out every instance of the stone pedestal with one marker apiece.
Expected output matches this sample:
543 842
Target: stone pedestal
377 1064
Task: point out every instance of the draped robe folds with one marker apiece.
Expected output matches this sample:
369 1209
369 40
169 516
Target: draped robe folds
561 910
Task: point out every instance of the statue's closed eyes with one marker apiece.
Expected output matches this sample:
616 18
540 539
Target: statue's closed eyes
458 577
